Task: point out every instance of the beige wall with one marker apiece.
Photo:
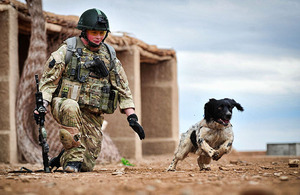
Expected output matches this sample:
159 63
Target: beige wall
155 92
9 77
160 107
122 135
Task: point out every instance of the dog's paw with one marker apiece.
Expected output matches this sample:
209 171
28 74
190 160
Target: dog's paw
168 169
171 168
216 156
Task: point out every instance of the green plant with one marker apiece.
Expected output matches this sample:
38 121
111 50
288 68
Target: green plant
126 162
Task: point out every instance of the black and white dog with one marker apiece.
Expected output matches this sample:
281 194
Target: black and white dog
210 138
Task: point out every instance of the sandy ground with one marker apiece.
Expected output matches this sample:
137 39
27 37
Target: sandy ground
237 173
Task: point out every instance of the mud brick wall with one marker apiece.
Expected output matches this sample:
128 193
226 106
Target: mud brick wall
160 107
283 149
123 136
9 76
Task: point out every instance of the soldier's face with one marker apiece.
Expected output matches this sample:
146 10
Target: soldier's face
95 36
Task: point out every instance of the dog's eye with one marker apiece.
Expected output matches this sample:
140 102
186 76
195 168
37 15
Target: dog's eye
220 107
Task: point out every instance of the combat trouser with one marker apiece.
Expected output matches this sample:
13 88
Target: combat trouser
80 133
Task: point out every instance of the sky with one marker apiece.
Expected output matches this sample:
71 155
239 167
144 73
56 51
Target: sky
245 50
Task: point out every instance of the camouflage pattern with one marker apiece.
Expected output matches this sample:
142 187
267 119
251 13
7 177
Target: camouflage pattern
81 123
53 73
94 93
78 124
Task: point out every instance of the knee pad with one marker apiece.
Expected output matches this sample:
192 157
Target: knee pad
69 140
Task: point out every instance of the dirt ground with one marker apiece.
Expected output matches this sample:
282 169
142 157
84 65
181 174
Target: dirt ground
236 173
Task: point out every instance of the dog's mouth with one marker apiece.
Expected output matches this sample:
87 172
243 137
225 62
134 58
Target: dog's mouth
223 122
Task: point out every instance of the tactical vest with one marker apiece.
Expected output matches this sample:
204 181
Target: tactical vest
82 84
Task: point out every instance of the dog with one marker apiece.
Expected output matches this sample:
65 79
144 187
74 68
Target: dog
210 138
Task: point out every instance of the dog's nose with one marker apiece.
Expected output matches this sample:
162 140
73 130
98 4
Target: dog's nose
228 116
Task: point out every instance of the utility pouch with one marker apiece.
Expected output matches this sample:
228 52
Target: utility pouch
73 68
70 90
112 101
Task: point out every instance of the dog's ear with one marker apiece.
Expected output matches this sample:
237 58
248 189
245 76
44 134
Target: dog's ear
237 105
209 109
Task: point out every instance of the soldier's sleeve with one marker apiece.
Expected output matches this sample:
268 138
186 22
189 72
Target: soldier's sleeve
120 82
53 70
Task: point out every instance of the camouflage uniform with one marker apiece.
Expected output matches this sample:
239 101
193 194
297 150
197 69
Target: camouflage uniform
80 131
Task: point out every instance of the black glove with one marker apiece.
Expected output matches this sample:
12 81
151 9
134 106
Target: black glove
41 114
42 109
133 123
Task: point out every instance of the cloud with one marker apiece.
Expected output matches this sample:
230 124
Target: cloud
255 134
250 26
232 72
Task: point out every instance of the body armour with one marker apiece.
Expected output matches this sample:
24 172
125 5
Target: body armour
86 79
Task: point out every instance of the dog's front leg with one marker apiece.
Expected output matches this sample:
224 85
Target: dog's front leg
225 148
203 145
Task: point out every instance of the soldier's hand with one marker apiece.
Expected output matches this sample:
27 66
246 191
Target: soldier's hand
36 112
133 123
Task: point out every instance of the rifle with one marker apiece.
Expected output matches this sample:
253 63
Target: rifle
40 120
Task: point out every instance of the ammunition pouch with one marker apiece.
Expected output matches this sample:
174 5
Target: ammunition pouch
70 89
96 95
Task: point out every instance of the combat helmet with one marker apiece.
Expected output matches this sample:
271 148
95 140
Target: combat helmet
93 19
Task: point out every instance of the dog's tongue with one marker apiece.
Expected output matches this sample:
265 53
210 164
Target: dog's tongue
225 122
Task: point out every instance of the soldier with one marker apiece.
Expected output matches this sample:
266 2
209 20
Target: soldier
81 81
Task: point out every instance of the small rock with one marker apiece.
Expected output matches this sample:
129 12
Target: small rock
264 167
293 162
267 174
224 168
118 173
25 180
9 177
278 174
235 162
256 177
191 175
284 178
